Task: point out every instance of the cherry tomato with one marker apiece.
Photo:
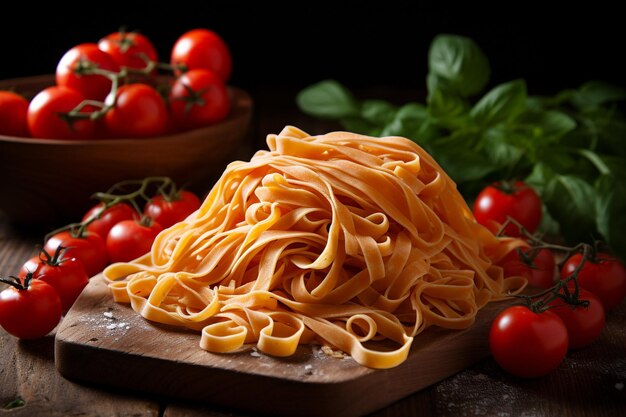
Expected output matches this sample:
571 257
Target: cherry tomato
604 276
30 265
538 267
13 110
44 120
129 239
128 49
198 98
66 275
167 213
139 112
109 218
584 324
498 201
203 49
90 249
77 59
528 344
30 312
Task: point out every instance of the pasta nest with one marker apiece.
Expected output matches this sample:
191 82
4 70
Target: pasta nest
355 242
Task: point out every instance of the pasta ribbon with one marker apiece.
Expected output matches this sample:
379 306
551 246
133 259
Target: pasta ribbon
356 242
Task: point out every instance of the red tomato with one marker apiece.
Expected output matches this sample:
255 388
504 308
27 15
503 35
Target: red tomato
528 344
80 57
30 312
129 239
127 49
44 115
605 277
584 324
139 112
90 249
13 110
167 213
30 265
109 218
495 203
198 98
203 49
541 270
67 276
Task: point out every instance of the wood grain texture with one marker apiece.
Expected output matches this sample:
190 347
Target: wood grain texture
100 340
27 381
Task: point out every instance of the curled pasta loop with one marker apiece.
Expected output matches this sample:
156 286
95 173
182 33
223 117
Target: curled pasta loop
222 337
282 335
365 324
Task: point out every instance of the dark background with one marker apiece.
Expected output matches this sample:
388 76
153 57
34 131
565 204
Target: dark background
359 43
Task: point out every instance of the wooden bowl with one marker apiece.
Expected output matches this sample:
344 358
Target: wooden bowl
45 182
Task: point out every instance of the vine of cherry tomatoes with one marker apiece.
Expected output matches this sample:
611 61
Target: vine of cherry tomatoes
120 228
117 88
574 295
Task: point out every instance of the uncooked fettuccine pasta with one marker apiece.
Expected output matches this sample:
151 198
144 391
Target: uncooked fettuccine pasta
355 242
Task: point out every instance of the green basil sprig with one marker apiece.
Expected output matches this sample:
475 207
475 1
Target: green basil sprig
571 147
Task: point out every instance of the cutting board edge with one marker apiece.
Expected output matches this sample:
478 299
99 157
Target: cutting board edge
86 351
340 398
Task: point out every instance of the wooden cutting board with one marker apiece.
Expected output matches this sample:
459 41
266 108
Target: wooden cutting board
107 343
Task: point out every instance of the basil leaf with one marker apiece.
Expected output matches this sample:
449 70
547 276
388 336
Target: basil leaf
539 177
545 124
462 164
610 208
361 126
460 61
611 134
379 112
570 199
445 106
596 93
545 102
412 121
498 143
328 100
595 160
501 104
616 165
548 225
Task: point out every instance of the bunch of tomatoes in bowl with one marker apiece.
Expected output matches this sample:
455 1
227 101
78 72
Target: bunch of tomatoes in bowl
118 88
120 228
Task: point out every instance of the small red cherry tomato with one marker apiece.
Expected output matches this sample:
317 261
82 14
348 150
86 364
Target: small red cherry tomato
72 66
129 49
13 111
203 49
604 276
501 200
198 98
139 112
537 266
90 249
130 239
170 211
528 344
29 310
584 324
109 218
66 275
45 115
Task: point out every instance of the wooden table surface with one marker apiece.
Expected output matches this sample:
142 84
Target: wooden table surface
590 382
